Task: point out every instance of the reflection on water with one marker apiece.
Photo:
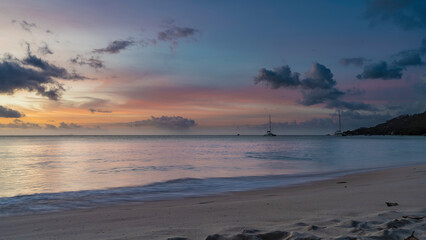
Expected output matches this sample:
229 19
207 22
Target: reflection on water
31 165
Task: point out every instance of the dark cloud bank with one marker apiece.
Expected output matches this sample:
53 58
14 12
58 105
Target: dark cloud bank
174 122
391 69
318 86
33 74
19 124
9 113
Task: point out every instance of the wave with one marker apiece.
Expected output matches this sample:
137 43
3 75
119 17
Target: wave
177 188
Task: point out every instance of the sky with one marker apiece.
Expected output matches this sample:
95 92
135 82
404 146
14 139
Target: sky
208 67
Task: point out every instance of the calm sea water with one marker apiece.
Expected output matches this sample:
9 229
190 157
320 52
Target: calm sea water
51 173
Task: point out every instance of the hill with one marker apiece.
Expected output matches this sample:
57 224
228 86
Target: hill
402 125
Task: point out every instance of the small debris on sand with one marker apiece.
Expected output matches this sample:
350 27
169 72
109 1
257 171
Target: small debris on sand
411 237
391 204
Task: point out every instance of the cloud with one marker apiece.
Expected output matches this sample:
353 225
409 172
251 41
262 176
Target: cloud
174 122
9 113
381 70
92 110
20 124
64 125
278 77
115 46
317 87
407 14
356 61
398 62
50 126
173 33
92 62
408 58
50 69
33 74
319 76
27 26
44 50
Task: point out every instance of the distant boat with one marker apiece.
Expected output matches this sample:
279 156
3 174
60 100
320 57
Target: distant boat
339 132
269 133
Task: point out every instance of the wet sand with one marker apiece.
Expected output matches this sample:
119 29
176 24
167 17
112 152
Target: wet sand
350 207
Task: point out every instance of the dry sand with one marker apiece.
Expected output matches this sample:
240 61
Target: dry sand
350 207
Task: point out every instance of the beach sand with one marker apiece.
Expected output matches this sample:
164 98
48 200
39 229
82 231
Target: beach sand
350 207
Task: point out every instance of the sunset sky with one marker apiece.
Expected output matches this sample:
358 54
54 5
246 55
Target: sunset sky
208 67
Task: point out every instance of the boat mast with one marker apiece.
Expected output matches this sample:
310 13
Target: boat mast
270 125
340 123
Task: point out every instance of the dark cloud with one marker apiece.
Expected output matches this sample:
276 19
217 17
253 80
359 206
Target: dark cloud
64 125
27 26
13 76
317 87
92 110
408 58
9 113
407 14
92 62
357 61
398 63
174 122
33 74
115 46
278 77
173 33
20 124
381 70
50 69
319 76
44 50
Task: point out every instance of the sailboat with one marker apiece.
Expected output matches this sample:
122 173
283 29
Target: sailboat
269 133
339 132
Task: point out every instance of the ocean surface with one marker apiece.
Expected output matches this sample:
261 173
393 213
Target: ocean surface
54 173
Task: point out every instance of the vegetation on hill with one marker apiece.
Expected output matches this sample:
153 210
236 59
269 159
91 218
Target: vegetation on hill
402 125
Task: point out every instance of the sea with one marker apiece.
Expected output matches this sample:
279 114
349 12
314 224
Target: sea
55 173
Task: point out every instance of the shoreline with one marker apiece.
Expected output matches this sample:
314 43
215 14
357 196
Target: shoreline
53 202
322 208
